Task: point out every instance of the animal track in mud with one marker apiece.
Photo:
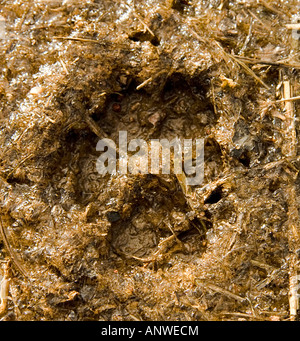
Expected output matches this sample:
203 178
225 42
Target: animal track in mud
157 224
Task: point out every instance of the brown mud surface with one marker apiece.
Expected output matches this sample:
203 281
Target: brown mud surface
82 246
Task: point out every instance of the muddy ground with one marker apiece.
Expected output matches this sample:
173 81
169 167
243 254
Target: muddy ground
80 246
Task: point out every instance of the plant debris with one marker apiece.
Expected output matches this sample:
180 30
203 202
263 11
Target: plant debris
76 245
